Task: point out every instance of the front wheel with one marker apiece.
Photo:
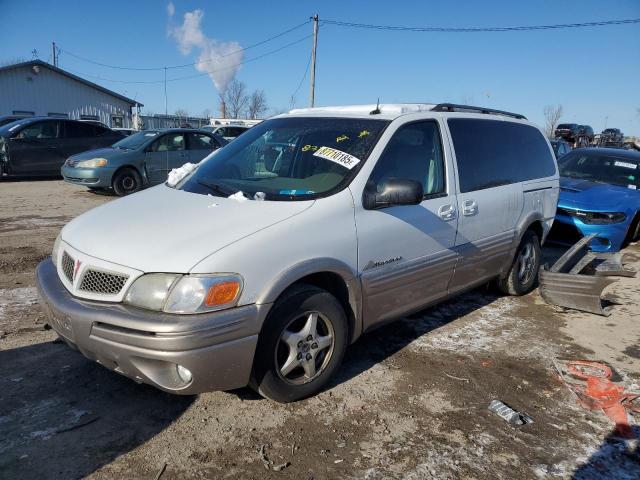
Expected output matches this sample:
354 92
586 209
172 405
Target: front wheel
126 181
301 345
523 274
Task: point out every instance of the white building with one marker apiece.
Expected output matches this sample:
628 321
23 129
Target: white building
37 88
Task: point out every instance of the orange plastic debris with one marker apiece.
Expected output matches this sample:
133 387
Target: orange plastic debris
600 392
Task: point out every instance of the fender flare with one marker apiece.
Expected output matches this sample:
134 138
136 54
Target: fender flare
296 272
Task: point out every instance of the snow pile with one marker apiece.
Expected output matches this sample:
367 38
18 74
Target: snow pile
239 196
178 174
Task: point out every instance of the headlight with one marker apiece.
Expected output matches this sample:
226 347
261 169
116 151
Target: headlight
150 291
56 250
93 163
186 294
595 218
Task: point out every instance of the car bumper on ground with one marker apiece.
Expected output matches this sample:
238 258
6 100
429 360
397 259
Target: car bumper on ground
89 177
216 348
568 230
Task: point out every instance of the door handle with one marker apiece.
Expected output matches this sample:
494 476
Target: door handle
447 212
469 207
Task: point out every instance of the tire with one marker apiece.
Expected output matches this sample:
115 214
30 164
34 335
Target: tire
295 359
126 182
523 274
635 229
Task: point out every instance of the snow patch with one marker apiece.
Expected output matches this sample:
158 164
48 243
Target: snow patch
178 174
239 196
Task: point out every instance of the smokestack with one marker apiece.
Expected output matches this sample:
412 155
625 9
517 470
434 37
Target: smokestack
223 109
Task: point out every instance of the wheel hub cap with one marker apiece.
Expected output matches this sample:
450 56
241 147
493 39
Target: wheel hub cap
305 348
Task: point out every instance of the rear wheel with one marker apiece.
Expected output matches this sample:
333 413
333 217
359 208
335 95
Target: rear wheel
523 274
301 345
126 181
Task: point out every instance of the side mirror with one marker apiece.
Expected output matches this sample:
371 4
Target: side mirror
395 191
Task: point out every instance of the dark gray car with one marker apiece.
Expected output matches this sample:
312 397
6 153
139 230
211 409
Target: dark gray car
38 146
140 160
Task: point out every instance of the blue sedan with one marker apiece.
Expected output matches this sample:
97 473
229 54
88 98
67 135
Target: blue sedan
140 160
599 193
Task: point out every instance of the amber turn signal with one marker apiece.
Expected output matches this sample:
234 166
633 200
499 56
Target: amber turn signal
222 293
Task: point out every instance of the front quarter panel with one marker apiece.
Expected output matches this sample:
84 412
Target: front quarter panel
319 239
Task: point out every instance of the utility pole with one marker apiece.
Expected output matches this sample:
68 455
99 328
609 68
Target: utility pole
55 54
312 94
165 91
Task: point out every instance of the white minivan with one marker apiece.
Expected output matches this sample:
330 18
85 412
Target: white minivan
264 261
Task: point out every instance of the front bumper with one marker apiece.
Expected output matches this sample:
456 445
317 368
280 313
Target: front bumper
568 230
89 177
146 346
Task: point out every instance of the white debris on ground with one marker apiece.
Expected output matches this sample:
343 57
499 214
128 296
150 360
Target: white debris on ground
178 174
239 196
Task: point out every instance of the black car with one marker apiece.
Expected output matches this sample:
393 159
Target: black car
587 131
567 131
613 135
560 147
39 146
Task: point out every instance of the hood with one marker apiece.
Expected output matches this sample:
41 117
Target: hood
602 197
107 152
166 230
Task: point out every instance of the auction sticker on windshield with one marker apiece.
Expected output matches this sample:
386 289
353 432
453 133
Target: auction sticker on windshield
618 163
337 156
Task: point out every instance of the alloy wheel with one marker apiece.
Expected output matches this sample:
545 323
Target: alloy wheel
305 348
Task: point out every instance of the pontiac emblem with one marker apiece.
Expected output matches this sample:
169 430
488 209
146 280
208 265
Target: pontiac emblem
77 267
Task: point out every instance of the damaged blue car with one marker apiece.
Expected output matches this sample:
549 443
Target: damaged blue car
599 193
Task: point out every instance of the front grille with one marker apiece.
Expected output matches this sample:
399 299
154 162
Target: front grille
67 266
102 283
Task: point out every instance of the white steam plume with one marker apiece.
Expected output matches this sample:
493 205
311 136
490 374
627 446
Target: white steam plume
221 60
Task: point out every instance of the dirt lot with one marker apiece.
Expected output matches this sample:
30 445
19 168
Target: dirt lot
410 401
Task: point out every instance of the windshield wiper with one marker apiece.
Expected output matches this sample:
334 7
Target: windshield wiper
220 189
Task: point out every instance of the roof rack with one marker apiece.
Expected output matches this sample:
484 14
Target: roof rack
452 107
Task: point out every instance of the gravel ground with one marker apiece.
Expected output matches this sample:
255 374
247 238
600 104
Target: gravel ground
410 401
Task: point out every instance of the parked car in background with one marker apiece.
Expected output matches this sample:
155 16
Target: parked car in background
599 193
39 146
125 131
229 132
567 131
262 265
11 118
613 135
560 147
139 160
587 132
95 122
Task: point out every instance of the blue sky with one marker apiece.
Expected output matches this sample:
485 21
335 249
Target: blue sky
593 72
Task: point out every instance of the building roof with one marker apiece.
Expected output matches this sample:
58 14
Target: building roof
42 64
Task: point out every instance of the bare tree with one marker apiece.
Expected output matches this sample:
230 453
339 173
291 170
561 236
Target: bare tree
467 99
257 104
235 99
552 114
181 112
206 113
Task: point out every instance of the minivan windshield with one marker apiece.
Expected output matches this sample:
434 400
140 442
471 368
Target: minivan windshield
135 141
288 158
621 171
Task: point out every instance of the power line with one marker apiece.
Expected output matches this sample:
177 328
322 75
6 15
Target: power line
169 67
306 70
175 79
481 29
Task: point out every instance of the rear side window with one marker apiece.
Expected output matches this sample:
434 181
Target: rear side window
79 130
198 141
491 153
